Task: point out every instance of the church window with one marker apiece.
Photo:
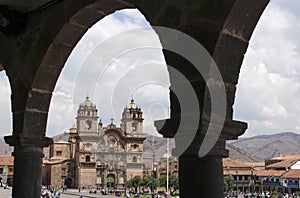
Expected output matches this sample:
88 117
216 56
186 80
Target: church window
135 146
110 156
87 158
134 159
58 153
133 126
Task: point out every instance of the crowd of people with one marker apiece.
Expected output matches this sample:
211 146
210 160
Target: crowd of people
50 192
264 194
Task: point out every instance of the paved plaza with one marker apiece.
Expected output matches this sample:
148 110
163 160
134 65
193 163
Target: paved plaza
7 193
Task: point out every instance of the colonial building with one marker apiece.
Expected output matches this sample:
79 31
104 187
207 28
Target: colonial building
98 156
6 170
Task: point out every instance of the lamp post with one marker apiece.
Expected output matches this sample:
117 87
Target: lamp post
237 184
252 182
228 169
166 155
125 171
153 155
79 182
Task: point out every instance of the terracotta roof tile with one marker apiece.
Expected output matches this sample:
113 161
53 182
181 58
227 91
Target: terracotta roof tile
268 173
227 162
6 160
283 164
291 174
239 172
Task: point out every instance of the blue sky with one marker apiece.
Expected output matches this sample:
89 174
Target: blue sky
268 88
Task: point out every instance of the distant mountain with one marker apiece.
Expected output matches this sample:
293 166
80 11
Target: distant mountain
268 146
253 149
160 147
63 136
241 155
5 149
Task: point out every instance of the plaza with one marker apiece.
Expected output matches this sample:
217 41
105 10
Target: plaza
71 193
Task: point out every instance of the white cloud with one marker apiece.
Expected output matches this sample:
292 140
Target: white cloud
5 111
269 87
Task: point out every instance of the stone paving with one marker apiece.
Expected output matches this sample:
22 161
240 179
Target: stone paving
7 193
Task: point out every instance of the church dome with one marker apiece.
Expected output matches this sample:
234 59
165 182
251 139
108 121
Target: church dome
87 103
132 105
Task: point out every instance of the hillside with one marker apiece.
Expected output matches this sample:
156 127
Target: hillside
5 149
268 146
160 145
241 155
254 149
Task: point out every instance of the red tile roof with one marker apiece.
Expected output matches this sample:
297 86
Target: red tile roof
227 162
6 160
269 173
283 164
291 174
238 172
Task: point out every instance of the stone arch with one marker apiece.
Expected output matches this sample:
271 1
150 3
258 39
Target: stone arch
53 61
235 35
218 27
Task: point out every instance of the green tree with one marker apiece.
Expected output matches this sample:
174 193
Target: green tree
146 181
129 183
173 183
228 183
136 182
162 181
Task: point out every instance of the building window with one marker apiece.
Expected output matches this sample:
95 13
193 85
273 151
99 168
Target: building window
110 156
87 158
134 159
1 171
135 146
133 126
58 153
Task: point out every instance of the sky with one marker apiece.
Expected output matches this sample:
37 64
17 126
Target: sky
110 74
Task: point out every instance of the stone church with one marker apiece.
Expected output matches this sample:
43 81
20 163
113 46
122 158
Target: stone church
97 156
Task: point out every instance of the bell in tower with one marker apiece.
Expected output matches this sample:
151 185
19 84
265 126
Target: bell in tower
132 120
87 118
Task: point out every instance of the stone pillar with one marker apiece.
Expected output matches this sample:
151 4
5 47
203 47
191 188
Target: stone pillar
27 171
200 177
28 155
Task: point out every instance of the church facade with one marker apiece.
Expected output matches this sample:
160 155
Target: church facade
96 155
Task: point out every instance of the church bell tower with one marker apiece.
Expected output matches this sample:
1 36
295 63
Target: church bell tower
87 118
132 120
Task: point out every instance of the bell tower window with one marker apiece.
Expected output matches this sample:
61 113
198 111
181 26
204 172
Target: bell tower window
134 159
133 126
87 158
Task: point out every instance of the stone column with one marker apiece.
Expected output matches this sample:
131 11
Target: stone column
28 155
201 177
